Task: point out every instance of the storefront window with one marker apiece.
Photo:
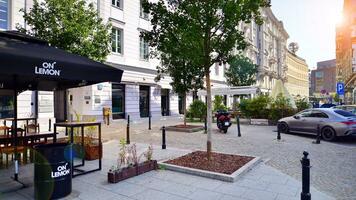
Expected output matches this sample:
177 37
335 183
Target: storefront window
6 106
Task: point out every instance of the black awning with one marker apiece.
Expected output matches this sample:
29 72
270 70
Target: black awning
38 66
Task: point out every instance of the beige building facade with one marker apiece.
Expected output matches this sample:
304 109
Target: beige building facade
297 82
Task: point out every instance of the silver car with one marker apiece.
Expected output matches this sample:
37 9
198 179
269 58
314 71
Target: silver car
332 122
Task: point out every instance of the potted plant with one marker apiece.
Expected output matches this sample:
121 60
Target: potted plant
129 165
92 148
148 164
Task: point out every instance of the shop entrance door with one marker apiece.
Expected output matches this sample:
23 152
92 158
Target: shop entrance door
165 102
144 101
118 101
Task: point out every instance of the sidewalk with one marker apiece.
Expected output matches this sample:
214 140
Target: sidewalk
261 183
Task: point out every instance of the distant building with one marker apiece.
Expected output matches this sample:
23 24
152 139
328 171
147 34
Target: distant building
297 82
346 51
323 78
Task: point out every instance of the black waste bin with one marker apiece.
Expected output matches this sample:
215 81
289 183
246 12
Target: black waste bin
53 170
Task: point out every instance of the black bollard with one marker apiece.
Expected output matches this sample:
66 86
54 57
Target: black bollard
205 125
317 135
238 126
149 122
305 194
278 131
164 138
49 125
128 130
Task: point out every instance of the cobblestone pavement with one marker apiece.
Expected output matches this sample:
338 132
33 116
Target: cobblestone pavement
333 163
260 183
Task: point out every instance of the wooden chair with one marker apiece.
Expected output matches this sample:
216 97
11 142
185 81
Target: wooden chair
4 129
10 150
32 128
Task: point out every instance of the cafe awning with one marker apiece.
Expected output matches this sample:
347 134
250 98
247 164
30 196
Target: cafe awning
39 66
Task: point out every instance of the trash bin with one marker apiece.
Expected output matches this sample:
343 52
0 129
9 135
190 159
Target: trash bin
53 170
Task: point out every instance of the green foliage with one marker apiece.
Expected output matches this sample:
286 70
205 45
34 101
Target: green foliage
242 72
72 25
336 98
302 104
280 107
218 103
197 109
256 107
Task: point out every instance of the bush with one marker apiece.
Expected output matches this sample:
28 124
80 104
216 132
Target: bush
197 110
218 104
302 104
264 107
256 107
279 108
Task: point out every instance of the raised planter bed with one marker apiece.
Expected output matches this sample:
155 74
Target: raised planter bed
128 172
187 128
225 167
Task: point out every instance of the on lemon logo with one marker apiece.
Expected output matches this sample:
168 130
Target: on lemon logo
47 69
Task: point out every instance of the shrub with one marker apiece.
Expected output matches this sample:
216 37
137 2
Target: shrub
218 104
302 104
197 110
256 107
279 108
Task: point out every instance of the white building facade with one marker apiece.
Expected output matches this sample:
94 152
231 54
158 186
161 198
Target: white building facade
138 95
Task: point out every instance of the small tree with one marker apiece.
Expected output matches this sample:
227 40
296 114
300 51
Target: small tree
184 77
72 25
242 72
202 33
218 103
302 104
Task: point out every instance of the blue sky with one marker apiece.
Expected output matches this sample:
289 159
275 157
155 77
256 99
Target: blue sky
310 23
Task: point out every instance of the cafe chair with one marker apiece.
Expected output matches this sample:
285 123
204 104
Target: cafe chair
10 150
5 130
32 128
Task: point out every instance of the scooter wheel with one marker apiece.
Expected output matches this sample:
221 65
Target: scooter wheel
225 130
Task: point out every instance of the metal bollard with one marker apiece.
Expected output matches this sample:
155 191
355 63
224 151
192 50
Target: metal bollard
128 130
317 135
305 194
149 122
49 125
164 137
278 131
205 125
238 126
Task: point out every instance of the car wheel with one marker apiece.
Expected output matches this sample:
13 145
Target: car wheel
328 133
283 127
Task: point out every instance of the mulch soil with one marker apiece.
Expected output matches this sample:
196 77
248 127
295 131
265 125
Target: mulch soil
187 126
220 163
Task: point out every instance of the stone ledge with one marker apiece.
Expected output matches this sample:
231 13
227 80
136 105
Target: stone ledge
187 130
213 175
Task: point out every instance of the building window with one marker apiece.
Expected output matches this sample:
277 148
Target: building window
143 14
144 49
4 14
117 3
116 40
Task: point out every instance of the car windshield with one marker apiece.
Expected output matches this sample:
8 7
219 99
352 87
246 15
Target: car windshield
344 113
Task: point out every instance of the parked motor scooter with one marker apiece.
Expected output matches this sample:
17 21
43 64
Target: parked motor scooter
223 120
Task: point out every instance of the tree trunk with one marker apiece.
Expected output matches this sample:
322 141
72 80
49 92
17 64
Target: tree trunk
185 109
209 113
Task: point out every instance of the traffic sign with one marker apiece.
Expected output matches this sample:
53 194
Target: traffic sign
340 88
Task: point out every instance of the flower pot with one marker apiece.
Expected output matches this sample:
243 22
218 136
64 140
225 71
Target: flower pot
125 173
128 172
93 152
147 166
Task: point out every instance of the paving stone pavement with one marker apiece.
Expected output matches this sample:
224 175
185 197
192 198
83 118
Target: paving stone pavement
333 163
261 183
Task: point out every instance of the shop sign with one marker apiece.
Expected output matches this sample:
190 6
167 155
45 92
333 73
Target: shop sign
48 69
62 170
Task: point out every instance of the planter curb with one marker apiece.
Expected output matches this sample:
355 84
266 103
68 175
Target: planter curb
213 175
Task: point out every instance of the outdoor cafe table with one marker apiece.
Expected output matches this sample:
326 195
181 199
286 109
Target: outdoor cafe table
27 119
81 125
5 139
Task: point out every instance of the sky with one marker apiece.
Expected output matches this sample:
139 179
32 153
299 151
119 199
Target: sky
310 23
